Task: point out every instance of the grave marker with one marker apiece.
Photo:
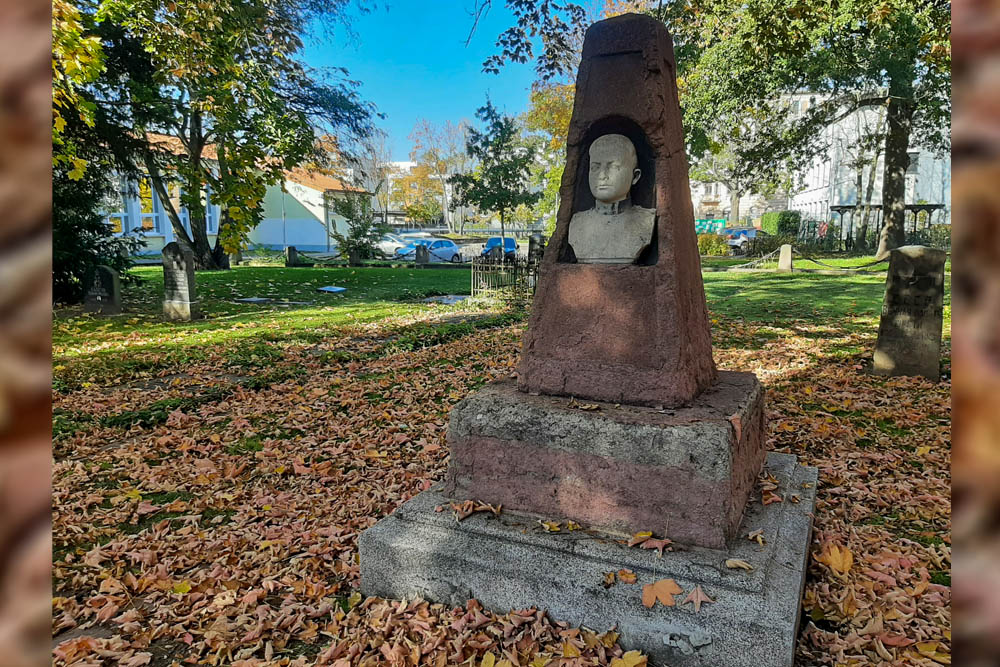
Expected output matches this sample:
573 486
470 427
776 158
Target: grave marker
909 333
180 301
618 421
104 294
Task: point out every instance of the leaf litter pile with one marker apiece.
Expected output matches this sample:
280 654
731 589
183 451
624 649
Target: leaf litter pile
206 510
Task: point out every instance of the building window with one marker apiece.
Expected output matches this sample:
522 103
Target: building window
118 209
211 223
150 210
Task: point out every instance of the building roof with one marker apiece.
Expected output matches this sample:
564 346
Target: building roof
315 178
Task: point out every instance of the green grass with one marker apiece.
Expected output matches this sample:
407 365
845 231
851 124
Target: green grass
140 342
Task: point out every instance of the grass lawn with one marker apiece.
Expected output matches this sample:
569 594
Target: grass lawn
211 478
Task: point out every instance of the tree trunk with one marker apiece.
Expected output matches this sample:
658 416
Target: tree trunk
897 139
869 191
734 208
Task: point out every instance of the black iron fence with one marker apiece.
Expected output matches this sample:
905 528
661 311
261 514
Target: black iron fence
508 278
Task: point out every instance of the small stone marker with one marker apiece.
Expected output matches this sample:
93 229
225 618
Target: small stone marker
180 301
909 333
235 258
423 255
535 248
785 258
104 295
291 256
353 257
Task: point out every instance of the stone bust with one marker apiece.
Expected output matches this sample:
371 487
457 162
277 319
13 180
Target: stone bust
614 231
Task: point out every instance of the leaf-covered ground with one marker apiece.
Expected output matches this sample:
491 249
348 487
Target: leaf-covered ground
211 478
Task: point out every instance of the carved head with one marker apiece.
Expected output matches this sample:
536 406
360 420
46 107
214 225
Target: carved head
613 168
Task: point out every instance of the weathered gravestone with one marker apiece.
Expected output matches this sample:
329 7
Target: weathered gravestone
618 420
909 332
785 258
536 246
180 301
104 294
291 256
423 255
235 258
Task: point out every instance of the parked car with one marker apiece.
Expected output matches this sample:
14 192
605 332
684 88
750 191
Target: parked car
738 238
441 250
509 246
389 243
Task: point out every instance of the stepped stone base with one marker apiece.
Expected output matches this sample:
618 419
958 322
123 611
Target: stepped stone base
509 562
685 472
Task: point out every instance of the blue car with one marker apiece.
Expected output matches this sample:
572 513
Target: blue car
509 246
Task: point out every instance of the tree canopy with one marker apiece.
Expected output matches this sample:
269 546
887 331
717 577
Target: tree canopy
224 79
501 181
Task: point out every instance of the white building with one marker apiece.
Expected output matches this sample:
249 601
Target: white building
295 213
831 180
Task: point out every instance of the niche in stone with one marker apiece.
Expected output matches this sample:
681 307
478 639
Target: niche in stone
613 219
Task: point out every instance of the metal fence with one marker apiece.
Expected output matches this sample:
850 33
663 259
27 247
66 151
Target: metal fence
511 279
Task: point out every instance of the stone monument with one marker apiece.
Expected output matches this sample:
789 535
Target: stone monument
235 258
104 295
422 255
785 258
291 256
536 246
909 332
618 422
180 301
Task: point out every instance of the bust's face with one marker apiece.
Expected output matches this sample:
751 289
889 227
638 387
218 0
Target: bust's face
612 168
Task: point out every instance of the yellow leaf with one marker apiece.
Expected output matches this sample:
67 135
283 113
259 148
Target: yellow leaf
280 469
540 661
550 526
504 663
134 495
182 588
353 600
837 558
630 659
609 638
639 537
569 650
927 648
922 450
737 564
489 660
572 525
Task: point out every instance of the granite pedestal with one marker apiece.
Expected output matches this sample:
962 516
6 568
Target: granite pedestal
508 562
683 473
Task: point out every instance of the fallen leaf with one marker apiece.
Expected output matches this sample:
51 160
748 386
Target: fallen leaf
627 576
609 579
663 590
697 597
837 558
640 537
737 564
757 536
630 659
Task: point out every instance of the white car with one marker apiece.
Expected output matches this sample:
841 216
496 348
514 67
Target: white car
440 250
389 243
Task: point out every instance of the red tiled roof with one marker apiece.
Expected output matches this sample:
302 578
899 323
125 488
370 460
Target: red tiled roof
314 178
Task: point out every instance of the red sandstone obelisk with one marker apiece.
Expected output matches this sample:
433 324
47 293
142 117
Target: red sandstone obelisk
625 333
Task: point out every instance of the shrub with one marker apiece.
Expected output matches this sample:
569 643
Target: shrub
936 236
762 245
769 222
712 244
788 222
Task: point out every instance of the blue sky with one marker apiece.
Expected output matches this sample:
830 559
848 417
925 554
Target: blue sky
413 63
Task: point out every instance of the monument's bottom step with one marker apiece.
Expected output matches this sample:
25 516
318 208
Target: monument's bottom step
510 562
